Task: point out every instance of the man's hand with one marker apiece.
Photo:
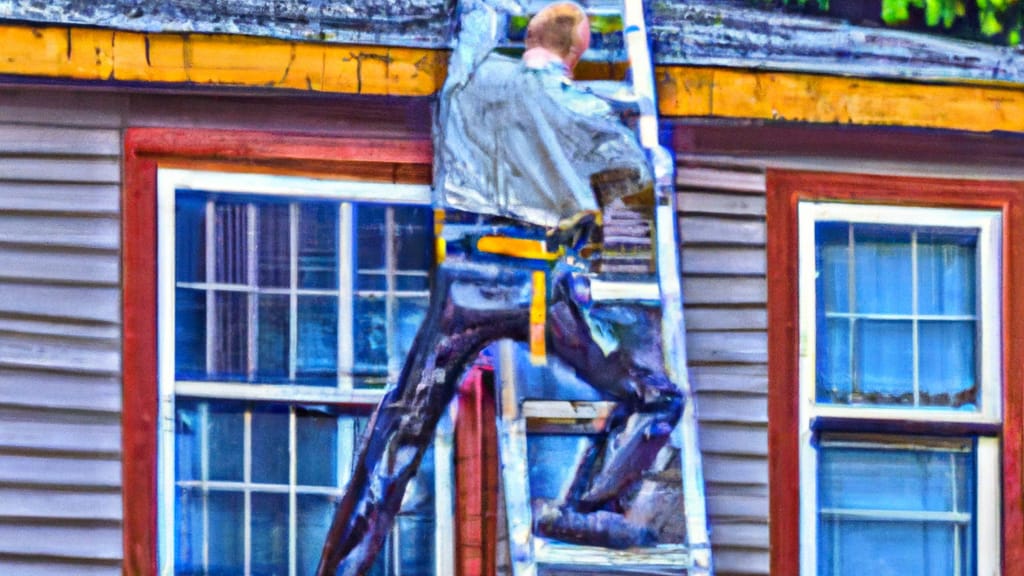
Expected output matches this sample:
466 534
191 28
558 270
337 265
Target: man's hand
575 231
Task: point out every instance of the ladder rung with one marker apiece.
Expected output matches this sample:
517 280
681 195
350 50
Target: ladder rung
605 290
635 560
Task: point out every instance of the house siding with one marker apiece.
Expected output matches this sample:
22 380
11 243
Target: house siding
722 229
60 334
60 319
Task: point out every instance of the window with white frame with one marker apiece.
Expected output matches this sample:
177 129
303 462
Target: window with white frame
900 388
286 305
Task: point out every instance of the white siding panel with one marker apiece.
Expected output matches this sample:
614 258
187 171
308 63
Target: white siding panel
68 541
99 170
72 390
101 233
40 504
745 534
720 178
739 502
722 226
85 303
28 139
711 230
52 327
35 567
720 347
726 407
24 263
732 204
736 470
723 260
722 318
725 290
64 354
42 431
728 438
49 470
740 561
40 197
730 378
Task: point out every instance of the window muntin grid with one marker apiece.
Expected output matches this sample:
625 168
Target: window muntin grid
415 546
981 544
873 491
896 315
259 301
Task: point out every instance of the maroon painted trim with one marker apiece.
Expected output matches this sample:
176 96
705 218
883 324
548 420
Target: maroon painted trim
139 365
145 150
784 190
476 478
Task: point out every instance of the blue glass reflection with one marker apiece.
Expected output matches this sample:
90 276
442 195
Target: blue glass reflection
867 498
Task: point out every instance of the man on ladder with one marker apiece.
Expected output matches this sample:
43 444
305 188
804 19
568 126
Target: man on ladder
520 154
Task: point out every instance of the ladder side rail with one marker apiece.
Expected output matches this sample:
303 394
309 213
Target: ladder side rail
666 244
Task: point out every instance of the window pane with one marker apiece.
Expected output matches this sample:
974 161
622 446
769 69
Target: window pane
411 312
370 337
317 359
272 341
833 257
946 272
882 270
833 357
947 364
225 516
314 519
188 525
318 245
190 332
413 237
269 534
274 240
231 336
190 238
231 235
317 445
885 356
209 440
270 445
370 243
857 548
225 439
873 494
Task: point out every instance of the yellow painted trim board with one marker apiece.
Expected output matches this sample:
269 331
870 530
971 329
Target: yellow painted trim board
219 60
788 96
90 54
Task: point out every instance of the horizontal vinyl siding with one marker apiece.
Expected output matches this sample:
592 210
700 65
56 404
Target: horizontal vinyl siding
722 229
60 334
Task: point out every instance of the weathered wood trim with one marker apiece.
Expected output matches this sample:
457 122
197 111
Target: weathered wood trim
94 54
221 61
476 480
139 364
785 190
798 97
145 150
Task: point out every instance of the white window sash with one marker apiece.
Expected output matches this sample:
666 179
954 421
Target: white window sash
169 183
989 485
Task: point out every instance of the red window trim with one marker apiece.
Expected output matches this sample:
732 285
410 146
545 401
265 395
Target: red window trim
146 149
785 189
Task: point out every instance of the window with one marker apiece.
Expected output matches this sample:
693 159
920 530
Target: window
894 394
293 302
900 321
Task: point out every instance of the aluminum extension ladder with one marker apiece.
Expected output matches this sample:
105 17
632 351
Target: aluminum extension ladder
529 554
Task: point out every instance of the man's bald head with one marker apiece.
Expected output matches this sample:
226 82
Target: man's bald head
561 28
